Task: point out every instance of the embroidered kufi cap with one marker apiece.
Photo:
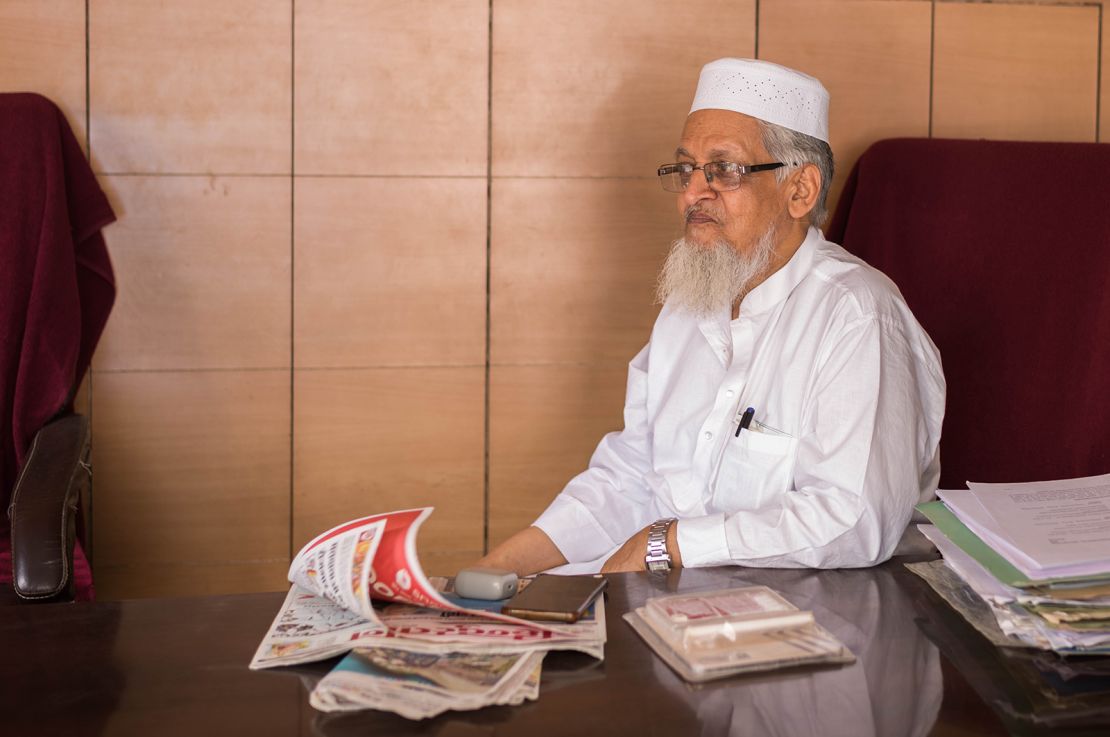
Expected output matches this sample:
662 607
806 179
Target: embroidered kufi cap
770 92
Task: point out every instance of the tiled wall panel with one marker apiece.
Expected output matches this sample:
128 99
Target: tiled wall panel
190 87
203 273
573 265
376 440
42 49
390 271
392 88
138 579
191 469
1026 72
835 41
582 88
545 422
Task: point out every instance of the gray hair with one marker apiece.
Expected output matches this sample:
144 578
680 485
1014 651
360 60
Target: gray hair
797 149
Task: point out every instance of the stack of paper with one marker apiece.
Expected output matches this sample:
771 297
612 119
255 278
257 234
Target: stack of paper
1032 691
1038 554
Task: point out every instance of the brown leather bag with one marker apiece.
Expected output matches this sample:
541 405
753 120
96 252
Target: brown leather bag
54 480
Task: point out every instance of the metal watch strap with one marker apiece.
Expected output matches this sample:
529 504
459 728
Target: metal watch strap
658 560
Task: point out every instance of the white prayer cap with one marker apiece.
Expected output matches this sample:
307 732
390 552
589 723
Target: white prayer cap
766 91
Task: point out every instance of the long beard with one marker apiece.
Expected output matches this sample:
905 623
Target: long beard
705 279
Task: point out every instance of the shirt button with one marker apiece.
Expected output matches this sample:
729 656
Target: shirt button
708 435
729 393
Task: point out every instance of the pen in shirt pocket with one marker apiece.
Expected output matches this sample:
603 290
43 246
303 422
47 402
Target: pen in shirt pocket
745 420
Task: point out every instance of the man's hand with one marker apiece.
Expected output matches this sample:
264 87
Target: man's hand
630 556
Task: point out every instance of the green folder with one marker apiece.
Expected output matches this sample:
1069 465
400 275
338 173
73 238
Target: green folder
989 558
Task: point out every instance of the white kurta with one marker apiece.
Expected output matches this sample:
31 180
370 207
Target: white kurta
848 396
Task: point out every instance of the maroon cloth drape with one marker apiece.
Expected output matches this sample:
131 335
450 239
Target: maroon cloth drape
56 283
1002 250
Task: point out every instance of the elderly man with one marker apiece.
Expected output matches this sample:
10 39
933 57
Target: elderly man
787 409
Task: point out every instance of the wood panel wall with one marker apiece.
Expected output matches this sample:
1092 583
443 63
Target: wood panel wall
374 255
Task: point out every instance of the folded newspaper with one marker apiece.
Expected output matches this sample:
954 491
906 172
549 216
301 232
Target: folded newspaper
420 649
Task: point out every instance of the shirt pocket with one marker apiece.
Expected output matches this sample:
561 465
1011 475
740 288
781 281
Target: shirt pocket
756 469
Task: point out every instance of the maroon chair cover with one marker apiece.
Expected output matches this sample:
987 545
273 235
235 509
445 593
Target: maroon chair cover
1002 250
56 283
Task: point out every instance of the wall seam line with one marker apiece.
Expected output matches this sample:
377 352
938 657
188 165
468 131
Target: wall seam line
932 58
1098 77
88 77
292 260
489 231
755 42
88 513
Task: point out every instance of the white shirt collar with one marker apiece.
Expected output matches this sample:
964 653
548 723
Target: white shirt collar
778 286
775 289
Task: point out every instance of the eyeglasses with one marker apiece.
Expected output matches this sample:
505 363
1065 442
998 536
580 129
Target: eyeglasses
721 176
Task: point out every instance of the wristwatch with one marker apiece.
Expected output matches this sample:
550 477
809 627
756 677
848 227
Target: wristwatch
658 560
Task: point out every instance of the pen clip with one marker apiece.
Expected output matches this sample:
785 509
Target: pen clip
745 420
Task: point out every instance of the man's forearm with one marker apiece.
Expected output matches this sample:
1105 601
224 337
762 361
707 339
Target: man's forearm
528 551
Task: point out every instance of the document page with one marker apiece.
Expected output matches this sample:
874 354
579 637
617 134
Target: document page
1060 525
966 506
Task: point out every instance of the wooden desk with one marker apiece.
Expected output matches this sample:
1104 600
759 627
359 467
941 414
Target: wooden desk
179 667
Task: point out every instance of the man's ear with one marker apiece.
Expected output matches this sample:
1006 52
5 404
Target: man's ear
805 189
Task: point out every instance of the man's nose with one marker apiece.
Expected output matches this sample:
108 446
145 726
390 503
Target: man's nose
698 188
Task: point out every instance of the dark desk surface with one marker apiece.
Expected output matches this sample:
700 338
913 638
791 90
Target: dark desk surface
179 667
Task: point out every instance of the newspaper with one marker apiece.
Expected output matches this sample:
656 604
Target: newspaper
475 630
359 588
310 627
421 684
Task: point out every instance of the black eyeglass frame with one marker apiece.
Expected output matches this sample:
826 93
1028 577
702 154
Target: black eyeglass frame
731 168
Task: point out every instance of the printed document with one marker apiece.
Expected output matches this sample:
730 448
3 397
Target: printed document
1048 529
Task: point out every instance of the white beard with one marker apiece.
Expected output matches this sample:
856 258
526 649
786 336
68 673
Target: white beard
705 279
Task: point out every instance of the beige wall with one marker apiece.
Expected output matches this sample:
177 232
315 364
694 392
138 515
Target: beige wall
359 269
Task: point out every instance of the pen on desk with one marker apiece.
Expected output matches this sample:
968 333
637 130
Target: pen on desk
746 420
